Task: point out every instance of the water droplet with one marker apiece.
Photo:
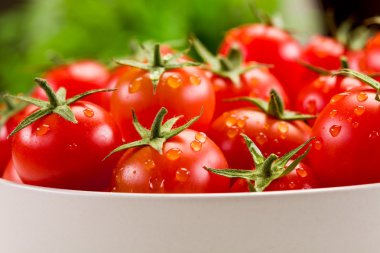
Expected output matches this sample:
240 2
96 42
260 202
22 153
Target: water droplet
282 186
355 124
301 172
333 113
135 85
173 154
42 130
232 132
362 96
196 145
134 172
149 164
156 184
276 141
182 175
359 110
201 137
374 134
349 119
338 97
311 107
195 80
261 138
89 113
292 185
283 128
317 144
335 130
174 81
266 126
73 146
240 123
231 121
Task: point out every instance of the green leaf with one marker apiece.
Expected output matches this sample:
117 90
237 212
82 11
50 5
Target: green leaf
65 112
257 156
233 173
30 119
85 94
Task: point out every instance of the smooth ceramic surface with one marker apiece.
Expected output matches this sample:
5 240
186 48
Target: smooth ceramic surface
336 220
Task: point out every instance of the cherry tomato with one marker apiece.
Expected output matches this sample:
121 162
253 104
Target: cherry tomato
10 173
354 58
77 78
347 148
56 153
370 62
270 134
270 45
178 170
302 177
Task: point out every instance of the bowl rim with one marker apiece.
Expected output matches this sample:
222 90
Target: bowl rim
79 193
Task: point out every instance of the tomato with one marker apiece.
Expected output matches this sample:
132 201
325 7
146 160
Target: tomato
5 148
347 147
301 177
178 170
183 90
314 97
10 173
76 78
354 58
267 44
370 62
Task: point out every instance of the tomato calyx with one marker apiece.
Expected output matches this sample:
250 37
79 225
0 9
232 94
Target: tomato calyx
274 108
10 109
158 64
362 77
57 104
158 134
230 67
266 169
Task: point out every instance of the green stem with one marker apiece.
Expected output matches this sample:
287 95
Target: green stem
8 103
53 99
267 165
157 62
344 62
157 122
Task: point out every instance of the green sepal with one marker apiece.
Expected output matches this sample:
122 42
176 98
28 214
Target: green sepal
157 64
158 134
230 67
10 109
57 104
274 108
266 169
362 77
315 69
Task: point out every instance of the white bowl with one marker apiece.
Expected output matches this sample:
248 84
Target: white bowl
336 220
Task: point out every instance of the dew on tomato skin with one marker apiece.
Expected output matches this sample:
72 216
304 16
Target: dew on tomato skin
173 154
333 113
355 124
135 86
231 121
174 81
266 126
261 138
349 119
73 146
134 172
301 172
374 135
317 144
89 113
156 184
282 186
149 164
362 96
195 80
240 123
359 110
182 175
335 130
276 141
232 132
292 185
283 127
201 137
42 130
311 107
196 145
338 97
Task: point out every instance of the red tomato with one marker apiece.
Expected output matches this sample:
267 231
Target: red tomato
354 58
370 62
347 148
183 91
302 177
178 170
77 78
10 173
271 135
270 45
257 82
56 153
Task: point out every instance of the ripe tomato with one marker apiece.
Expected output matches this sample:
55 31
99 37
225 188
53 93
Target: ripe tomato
178 170
270 45
76 78
370 62
301 177
10 173
347 147
183 91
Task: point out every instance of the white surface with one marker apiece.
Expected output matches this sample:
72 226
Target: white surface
39 220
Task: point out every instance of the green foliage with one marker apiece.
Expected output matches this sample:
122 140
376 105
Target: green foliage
102 29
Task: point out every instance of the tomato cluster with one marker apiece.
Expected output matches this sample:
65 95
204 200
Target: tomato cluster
264 114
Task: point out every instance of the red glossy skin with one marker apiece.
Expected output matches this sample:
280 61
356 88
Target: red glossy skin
314 97
270 135
354 58
178 170
370 62
347 146
10 173
183 91
302 177
77 77
256 82
54 152
271 45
